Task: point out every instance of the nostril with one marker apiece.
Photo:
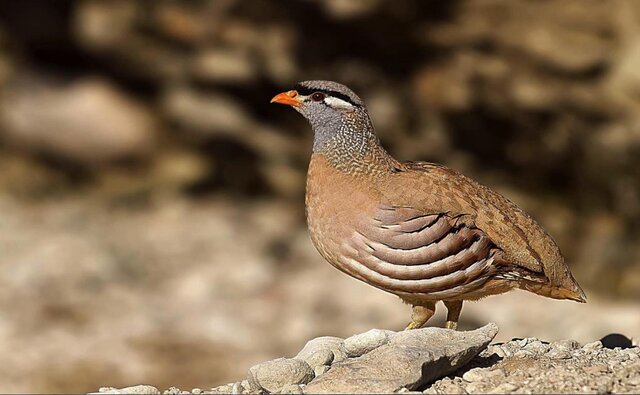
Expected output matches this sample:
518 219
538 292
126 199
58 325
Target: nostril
292 93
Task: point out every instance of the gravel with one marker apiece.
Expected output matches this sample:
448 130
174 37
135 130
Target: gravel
533 366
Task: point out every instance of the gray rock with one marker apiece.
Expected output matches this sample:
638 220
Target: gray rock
136 389
410 359
334 344
89 121
363 343
274 375
320 357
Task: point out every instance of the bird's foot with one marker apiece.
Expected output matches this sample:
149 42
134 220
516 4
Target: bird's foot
421 315
414 325
451 325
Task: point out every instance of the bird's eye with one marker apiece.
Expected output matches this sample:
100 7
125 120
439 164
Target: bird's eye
318 96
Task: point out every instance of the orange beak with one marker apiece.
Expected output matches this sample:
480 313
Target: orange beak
287 98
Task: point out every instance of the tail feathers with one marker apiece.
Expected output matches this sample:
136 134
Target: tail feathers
550 291
540 285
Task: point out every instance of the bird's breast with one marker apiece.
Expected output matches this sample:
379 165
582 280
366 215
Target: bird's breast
335 203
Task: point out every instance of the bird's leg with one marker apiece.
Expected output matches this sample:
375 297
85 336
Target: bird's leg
453 313
421 315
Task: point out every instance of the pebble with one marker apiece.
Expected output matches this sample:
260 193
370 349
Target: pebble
273 375
196 391
597 345
566 344
237 388
363 343
136 389
558 354
451 387
523 354
319 357
504 388
502 351
248 387
595 369
292 389
537 347
334 344
429 391
473 375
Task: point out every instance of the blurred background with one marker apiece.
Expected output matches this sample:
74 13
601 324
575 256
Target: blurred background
151 199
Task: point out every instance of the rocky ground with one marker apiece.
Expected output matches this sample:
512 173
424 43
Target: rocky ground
438 361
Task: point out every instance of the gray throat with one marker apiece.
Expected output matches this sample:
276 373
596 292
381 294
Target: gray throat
352 146
349 138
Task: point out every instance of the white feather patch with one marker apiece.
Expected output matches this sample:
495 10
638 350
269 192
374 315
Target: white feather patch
337 103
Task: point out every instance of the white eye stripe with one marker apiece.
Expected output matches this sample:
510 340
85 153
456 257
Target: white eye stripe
337 103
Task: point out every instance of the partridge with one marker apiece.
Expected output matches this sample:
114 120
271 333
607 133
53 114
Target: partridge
419 230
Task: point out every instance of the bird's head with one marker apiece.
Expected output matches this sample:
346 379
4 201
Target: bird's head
323 103
336 114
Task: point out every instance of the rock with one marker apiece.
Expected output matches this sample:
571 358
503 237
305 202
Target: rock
345 9
565 344
592 370
88 121
224 66
319 358
237 388
410 359
136 389
558 353
320 370
206 113
249 387
102 26
472 375
597 345
363 343
333 344
504 388
451 387
292 389
273 375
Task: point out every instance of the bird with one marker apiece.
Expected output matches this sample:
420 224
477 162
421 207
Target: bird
419 230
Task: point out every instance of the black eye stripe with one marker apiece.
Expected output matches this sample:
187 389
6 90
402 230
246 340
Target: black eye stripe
303 90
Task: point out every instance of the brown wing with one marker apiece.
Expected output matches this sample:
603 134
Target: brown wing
524 244
404 250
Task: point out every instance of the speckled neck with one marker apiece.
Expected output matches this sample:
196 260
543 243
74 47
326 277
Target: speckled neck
350 144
